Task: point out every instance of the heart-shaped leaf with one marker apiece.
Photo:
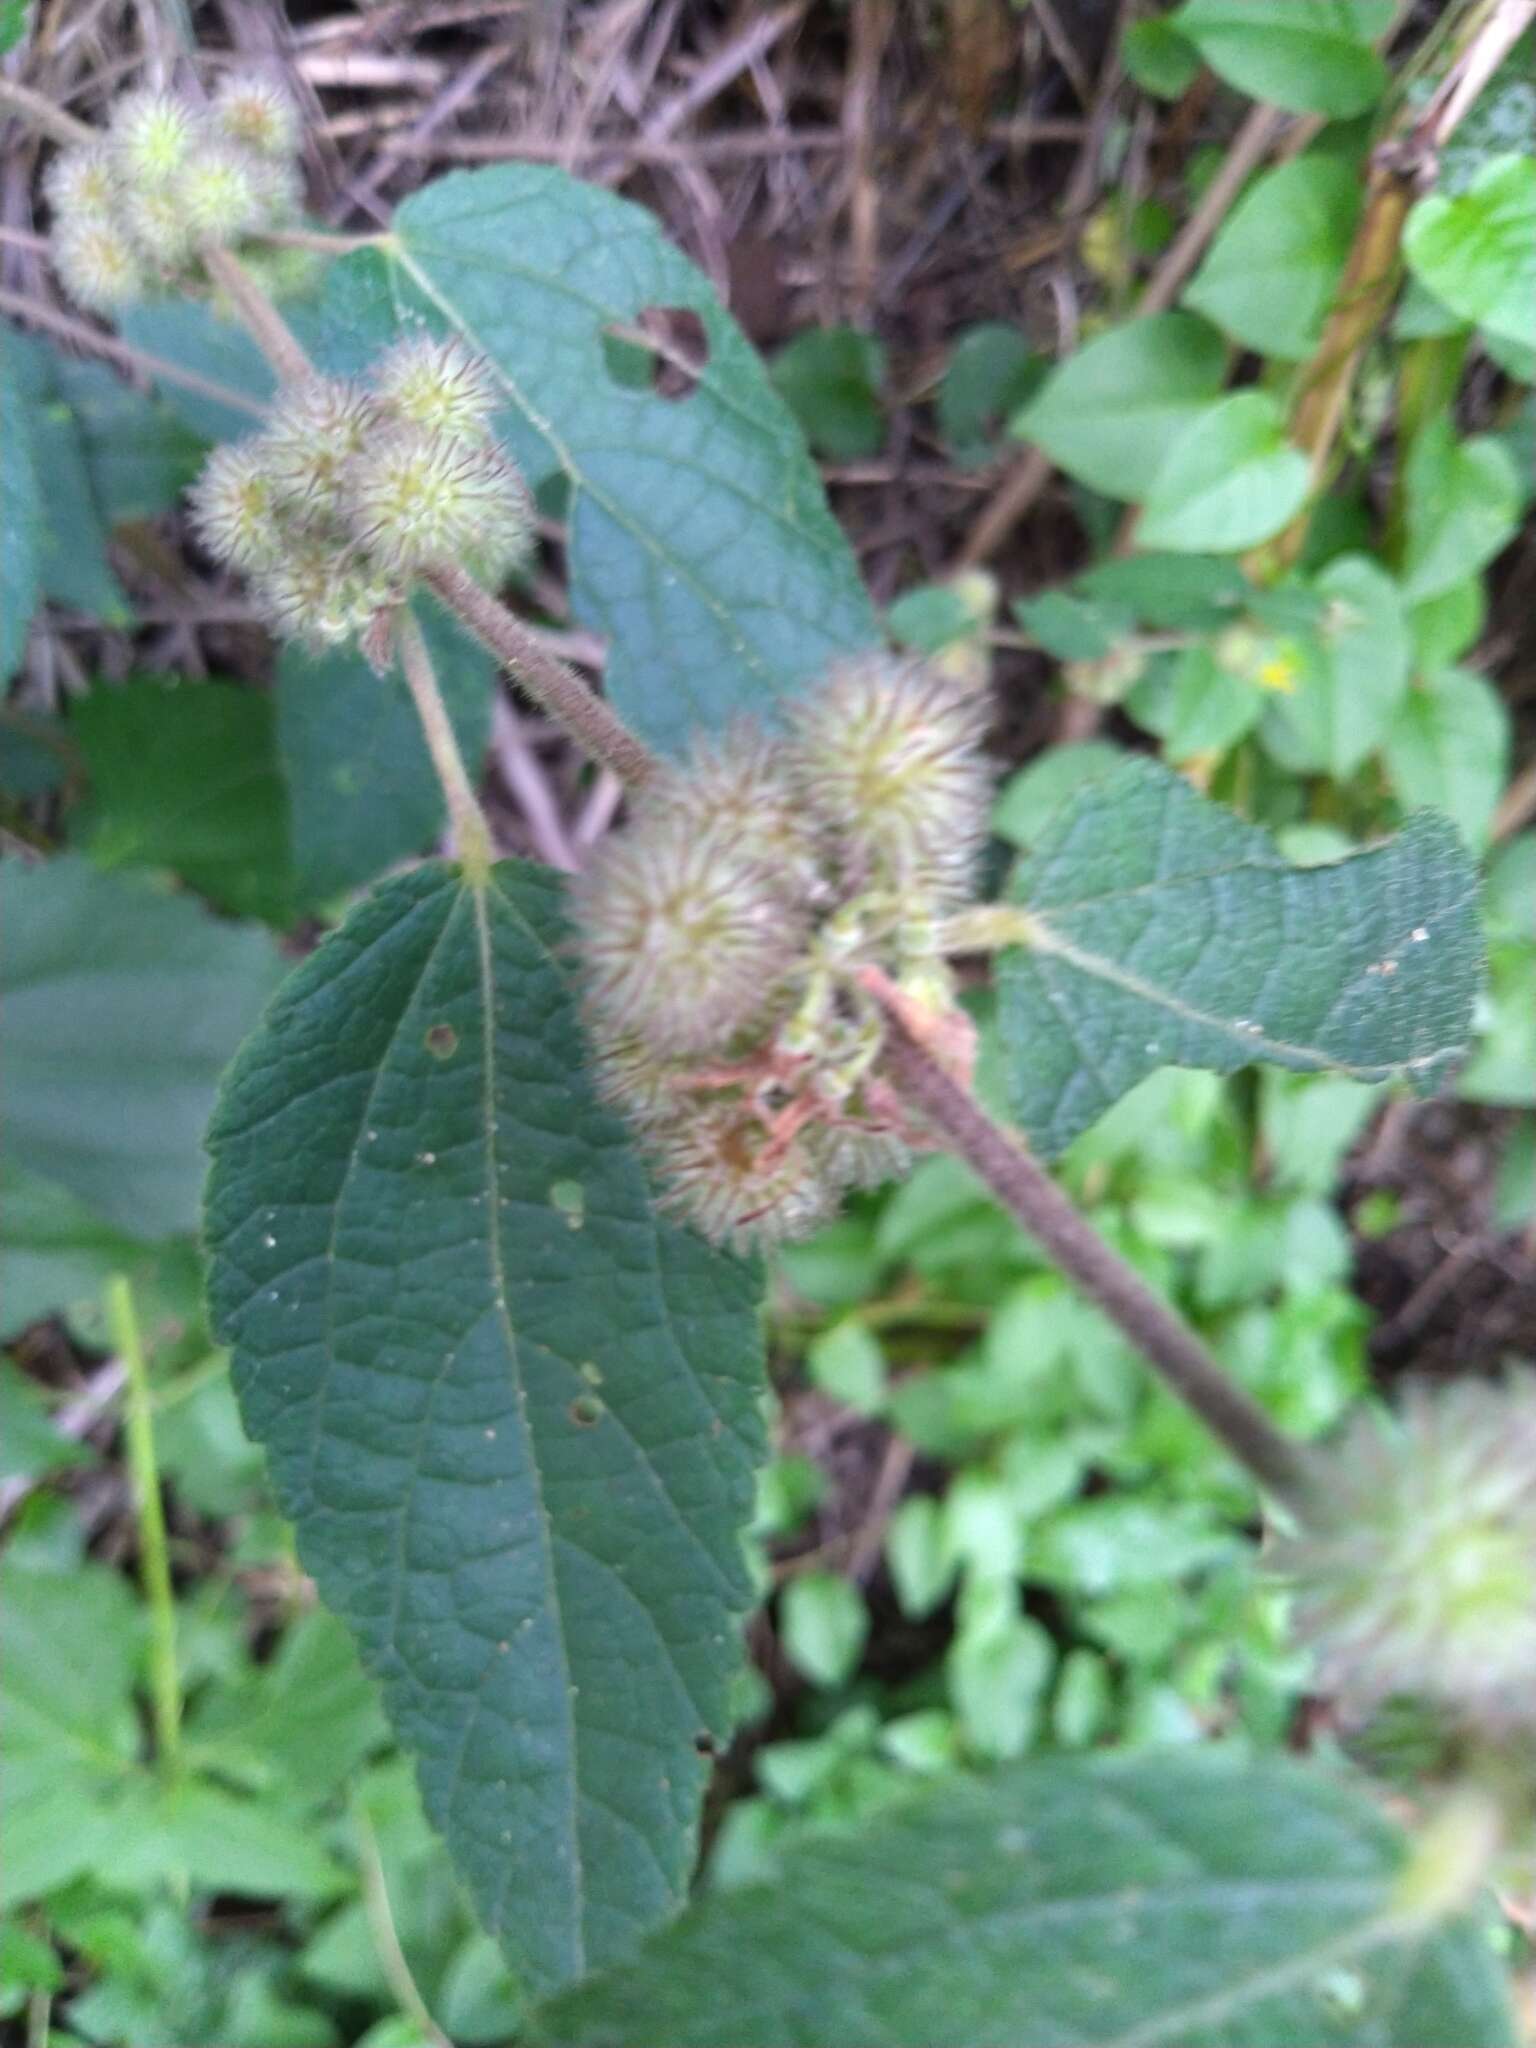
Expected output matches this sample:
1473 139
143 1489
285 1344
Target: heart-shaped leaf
512 1412
1167 932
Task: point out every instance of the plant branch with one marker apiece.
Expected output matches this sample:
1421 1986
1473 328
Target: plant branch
269 330
154 1556
472 836
43 114
1280 1464
554 687
1488 32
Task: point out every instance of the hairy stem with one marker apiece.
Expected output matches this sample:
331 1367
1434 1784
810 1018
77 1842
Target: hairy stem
577 710
554 687
154 1556
268 329
471 834
1280 1465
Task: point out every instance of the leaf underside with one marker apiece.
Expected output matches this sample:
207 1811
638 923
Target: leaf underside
512 1412
1171 933
699 539
1202 1900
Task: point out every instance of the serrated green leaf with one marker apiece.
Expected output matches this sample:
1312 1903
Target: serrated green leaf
1169 932
1190 1900
1310 56
140 456
1463 507
21 522
516 1433
359 778
72 561
123 1006
698 536
184 776
1111 412
1270 276
1477 252
1229 481
1448 745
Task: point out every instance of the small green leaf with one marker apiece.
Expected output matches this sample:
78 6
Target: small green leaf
1072 628
917 1555
1175 593
1344 700
1195 706
140 456
991 372
1270 276
1477 252
1158 58
1231 479
518 1453
1111 412
1309 56
13 23
698 536
1168 932
123 1006
359 778
823 1623
1029 800
1190 1899
30 1446
184 776
830 379
1449 746
1463 508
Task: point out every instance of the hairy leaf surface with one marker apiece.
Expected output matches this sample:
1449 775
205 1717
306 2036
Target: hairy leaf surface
512 1412
1203 1900
699 540
1167 932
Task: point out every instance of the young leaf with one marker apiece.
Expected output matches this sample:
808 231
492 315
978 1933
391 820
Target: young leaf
349 745
123 1006
1158 58
1449 746
1344 700
512 1412
1463 500
830 379
1195 706
1310 56
1111 412
185 777
1169 932
1477 252
990 373
1270 276
1181 1898
1230 480
699 540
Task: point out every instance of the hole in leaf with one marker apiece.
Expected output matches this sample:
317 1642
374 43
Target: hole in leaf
704 1743
586 1410
442 1041
663 349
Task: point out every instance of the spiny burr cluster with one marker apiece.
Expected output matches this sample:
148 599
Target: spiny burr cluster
355 488
166 178
1419 1580
730 938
